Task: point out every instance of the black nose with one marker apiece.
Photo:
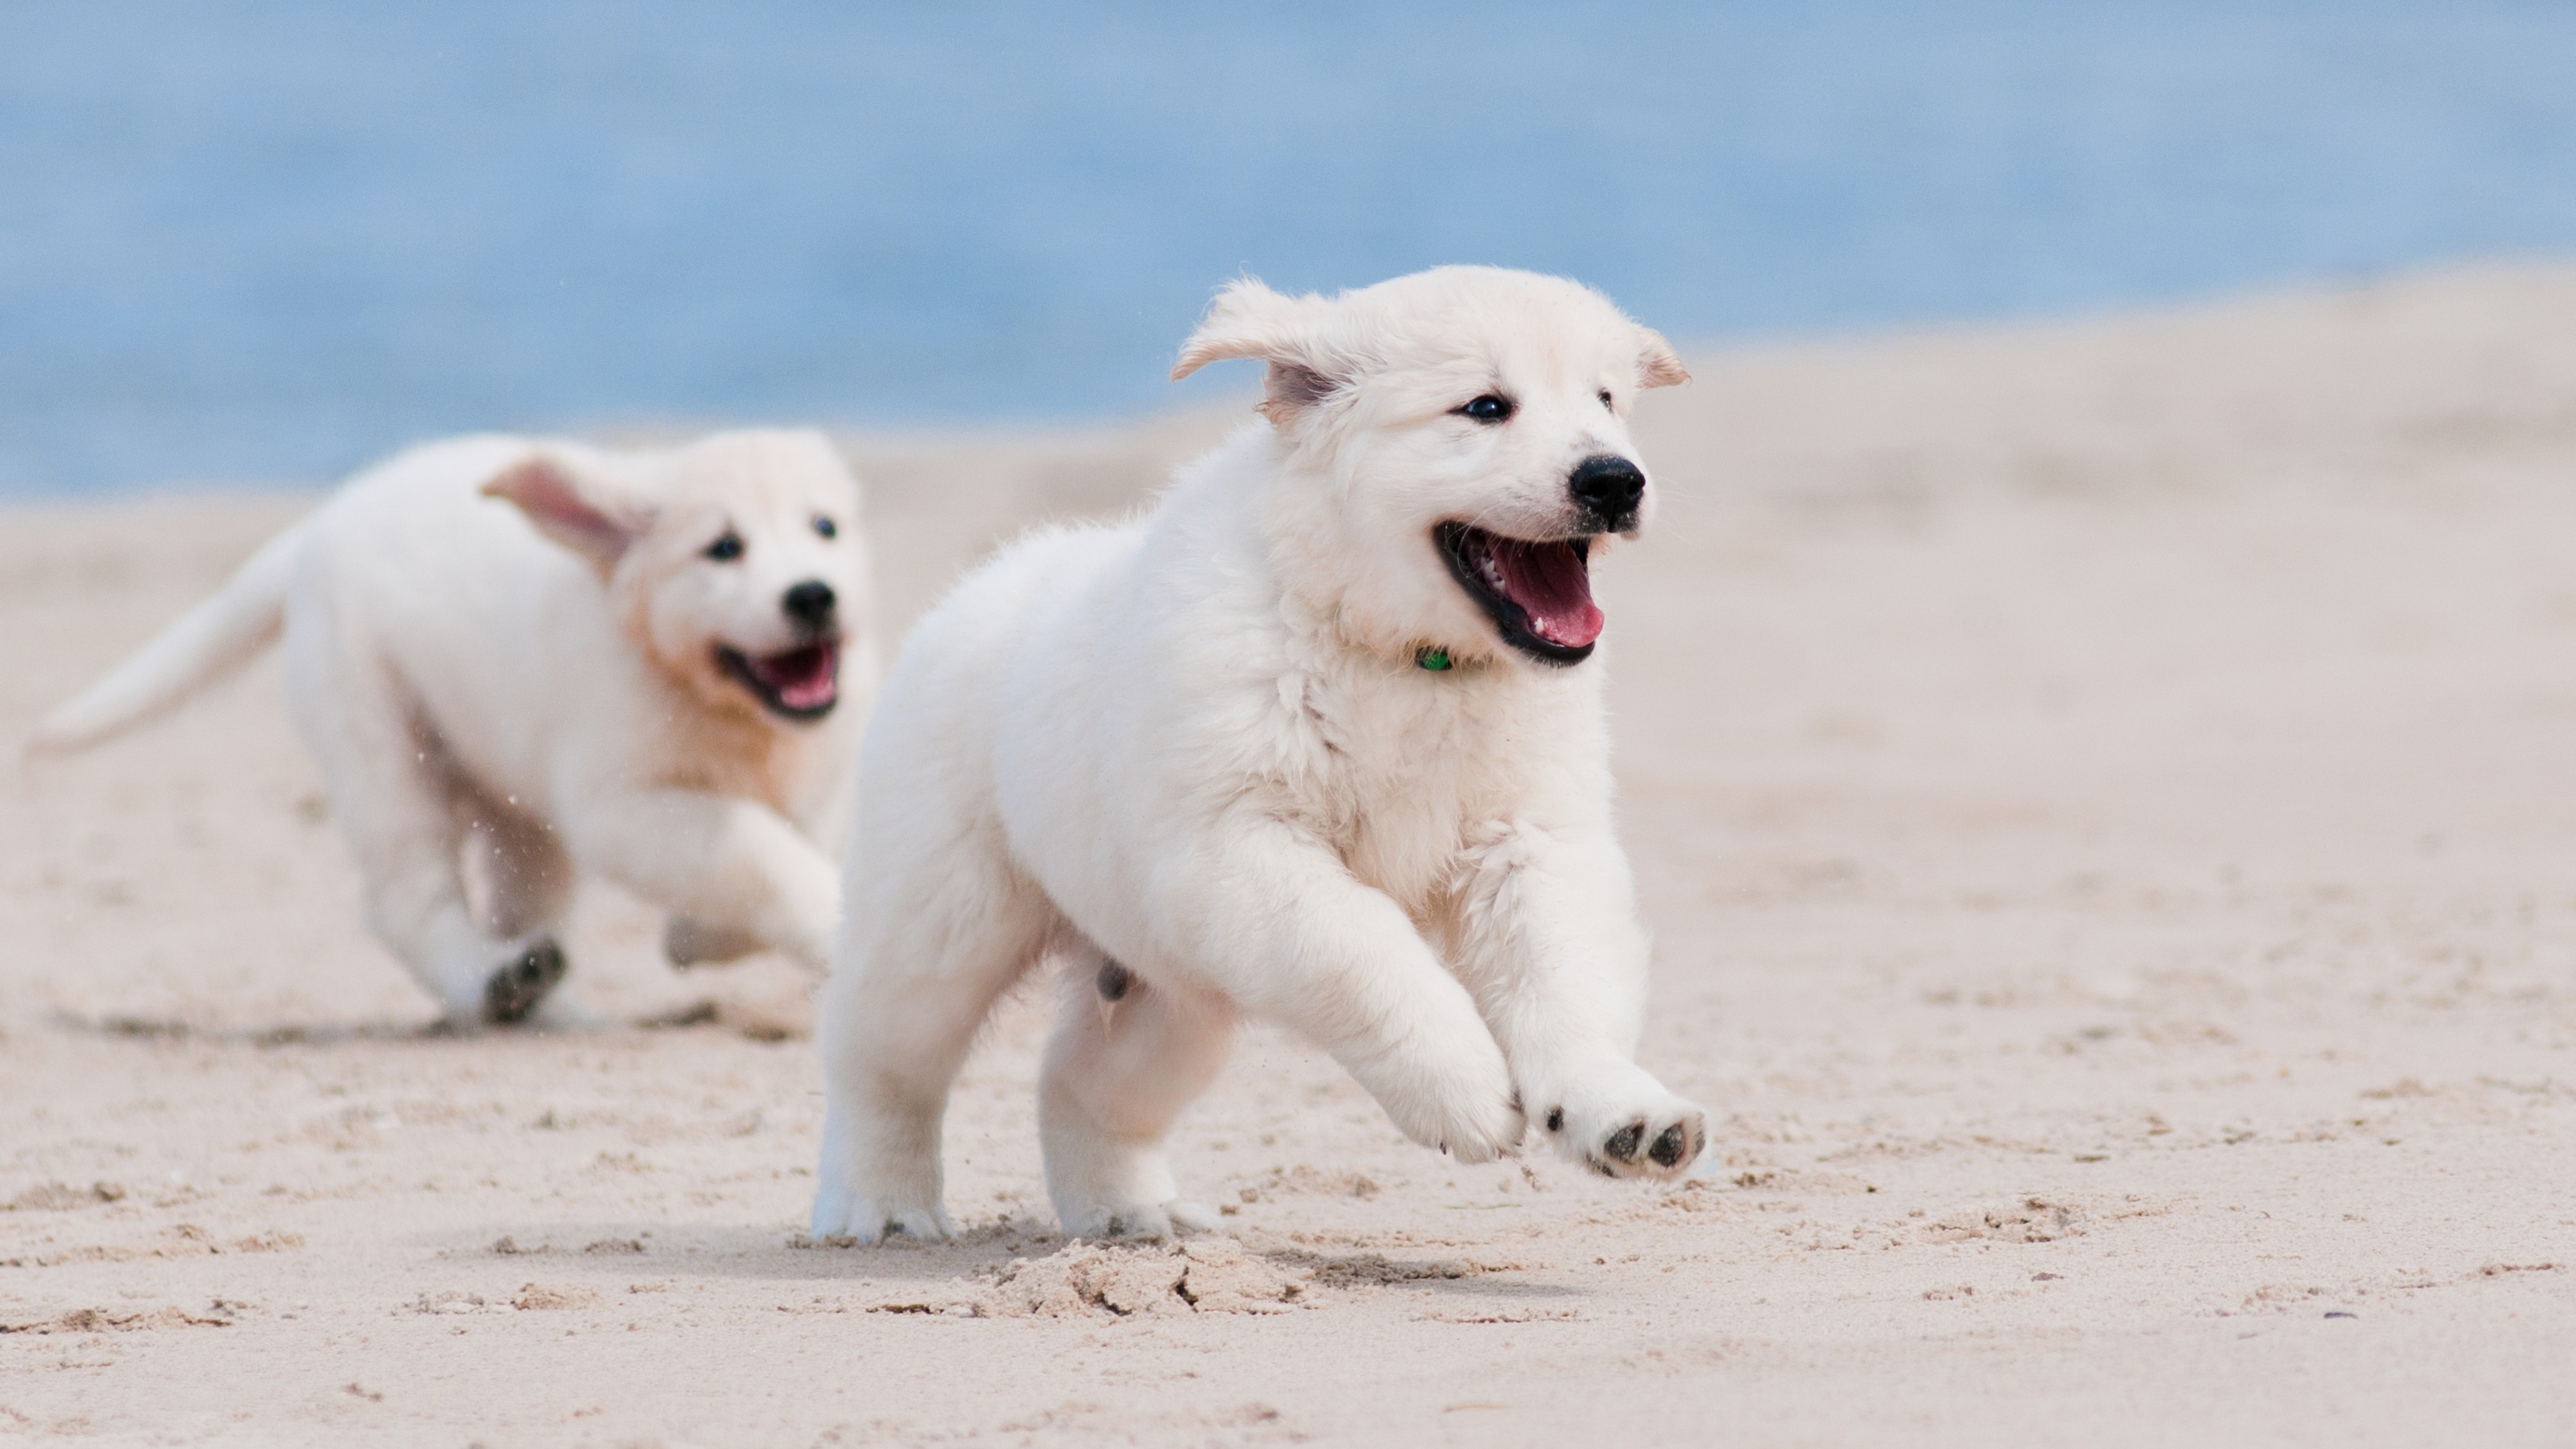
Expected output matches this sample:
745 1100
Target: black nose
1608 488
810 603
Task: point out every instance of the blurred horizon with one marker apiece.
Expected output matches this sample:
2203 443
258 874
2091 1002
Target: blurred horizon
267 243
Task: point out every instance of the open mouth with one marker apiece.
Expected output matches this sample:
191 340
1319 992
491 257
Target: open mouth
1538 594
800 684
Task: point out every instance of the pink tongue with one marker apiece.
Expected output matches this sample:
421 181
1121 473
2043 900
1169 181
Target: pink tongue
1550 581
803 679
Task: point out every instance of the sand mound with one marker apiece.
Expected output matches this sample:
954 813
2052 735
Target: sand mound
2032 1220
1205 1275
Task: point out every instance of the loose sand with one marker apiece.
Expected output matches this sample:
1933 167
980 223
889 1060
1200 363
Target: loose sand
2102 794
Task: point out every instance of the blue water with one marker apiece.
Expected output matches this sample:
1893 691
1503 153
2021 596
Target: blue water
267 241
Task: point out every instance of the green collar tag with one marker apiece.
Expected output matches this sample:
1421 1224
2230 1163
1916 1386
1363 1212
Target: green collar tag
1432 657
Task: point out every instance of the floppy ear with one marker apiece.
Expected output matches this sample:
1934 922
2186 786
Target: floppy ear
1250 320
1658 365
591 515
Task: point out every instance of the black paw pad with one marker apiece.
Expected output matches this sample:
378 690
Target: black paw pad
1114 981
516 988
1556 1119
1668 1147
1623 1144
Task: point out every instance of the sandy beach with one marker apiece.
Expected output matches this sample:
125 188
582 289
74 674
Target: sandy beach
2104 798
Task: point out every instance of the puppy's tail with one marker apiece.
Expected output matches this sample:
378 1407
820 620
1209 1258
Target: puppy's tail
208 642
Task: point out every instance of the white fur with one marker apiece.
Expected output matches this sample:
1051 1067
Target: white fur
1199 744
535 687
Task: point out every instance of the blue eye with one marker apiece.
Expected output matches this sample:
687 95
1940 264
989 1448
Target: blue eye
1491 408
727 548
826 527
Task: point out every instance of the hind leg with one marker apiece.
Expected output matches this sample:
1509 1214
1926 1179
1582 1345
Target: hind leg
401 829
524 875
521 882
404 810
921 962
1125 1059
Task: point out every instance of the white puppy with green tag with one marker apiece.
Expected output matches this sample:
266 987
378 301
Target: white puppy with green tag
1319 739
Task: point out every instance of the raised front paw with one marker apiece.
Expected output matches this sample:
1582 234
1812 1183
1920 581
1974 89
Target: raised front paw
687 942
1484 1129
807 913
1459 1100
1620 1122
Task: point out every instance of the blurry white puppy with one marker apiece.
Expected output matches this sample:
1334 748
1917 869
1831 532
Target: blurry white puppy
1315 739
655 667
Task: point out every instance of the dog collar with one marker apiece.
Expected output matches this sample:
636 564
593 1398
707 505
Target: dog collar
1432 657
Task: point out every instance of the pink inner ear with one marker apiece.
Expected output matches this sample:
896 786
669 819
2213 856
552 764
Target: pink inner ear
1300 386
555 502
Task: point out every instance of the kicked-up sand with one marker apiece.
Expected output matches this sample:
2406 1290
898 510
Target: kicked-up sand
2105 796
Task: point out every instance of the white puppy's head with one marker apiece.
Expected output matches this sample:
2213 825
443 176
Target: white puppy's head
735 563
1457 440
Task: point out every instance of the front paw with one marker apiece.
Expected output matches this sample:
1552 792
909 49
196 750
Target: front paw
687 942
862 1194
1487 1128
806 915
1464 1106
1178 1218
1620 1122
843 1213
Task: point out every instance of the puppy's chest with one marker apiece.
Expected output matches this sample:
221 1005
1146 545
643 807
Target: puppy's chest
744 759
1399 778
